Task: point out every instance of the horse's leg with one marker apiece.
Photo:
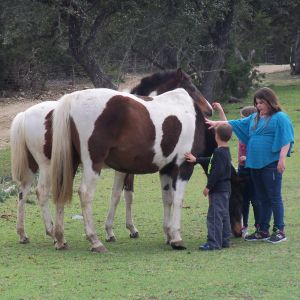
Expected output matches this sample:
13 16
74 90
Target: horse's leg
86 193
167 198
60 243
42 193
128 195
115 199
24 189
176 241
134 233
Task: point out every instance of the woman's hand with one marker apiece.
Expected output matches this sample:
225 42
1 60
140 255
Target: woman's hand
218 107
210 123
213 124
281 165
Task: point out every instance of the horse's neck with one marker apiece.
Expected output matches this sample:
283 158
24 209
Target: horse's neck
210 142
157 82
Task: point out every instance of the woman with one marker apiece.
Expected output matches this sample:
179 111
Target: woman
269 136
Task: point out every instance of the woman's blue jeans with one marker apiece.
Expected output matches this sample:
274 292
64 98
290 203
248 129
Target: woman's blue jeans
267 188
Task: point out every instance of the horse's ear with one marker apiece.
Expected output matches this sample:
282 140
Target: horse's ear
179 73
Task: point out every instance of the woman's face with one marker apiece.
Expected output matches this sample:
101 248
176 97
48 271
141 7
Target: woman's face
263 107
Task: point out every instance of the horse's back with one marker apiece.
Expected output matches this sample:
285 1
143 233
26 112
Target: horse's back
128 133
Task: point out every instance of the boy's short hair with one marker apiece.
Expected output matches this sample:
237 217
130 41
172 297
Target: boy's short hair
224 131
247 111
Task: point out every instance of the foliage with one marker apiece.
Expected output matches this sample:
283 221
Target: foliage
238 78
42 39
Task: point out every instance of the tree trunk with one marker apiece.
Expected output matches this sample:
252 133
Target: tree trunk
296 65
83 52
215 61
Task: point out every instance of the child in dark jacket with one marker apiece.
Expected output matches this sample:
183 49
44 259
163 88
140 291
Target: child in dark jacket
248 193
218 189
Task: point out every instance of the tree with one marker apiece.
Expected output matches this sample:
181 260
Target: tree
295 63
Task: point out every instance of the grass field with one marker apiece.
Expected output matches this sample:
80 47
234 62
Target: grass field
146 268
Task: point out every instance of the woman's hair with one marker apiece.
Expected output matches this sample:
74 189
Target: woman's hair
270 98
247 111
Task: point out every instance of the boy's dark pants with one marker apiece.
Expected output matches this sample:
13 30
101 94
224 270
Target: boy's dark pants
218 221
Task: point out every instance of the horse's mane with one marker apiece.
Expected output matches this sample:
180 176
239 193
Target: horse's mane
150 83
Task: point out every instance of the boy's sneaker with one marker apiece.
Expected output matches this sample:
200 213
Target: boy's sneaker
258 235
277 236
245 232
206 247
227 245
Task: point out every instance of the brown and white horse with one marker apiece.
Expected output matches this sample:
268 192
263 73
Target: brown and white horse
31 141
31 144
157 84
104 127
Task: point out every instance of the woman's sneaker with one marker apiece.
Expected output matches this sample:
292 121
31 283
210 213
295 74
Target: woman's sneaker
277 236
258 235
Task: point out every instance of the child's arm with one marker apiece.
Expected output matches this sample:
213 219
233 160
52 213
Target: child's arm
190 157
218 107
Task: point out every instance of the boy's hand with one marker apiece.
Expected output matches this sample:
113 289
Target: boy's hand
205 192
190 157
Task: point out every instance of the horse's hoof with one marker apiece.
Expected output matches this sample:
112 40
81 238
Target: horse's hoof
134 235
111 239
100 249
24 240
167 242
177 245
64 246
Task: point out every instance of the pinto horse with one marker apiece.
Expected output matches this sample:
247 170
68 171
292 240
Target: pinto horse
157 84
105 127
31 141
31 144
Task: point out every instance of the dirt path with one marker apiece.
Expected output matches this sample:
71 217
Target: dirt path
273 68
10 107
7 112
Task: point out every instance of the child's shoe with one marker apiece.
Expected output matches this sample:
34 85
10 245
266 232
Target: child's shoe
245 232
258 235
277 236
206 247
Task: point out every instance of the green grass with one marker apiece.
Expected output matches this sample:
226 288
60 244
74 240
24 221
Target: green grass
281 79
146 268
4 163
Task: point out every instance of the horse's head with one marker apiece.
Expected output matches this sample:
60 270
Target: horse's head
185 82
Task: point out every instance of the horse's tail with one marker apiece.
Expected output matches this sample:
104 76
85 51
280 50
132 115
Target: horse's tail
19 150
61 156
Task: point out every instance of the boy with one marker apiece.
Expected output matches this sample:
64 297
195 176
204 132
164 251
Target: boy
248 193
218 190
